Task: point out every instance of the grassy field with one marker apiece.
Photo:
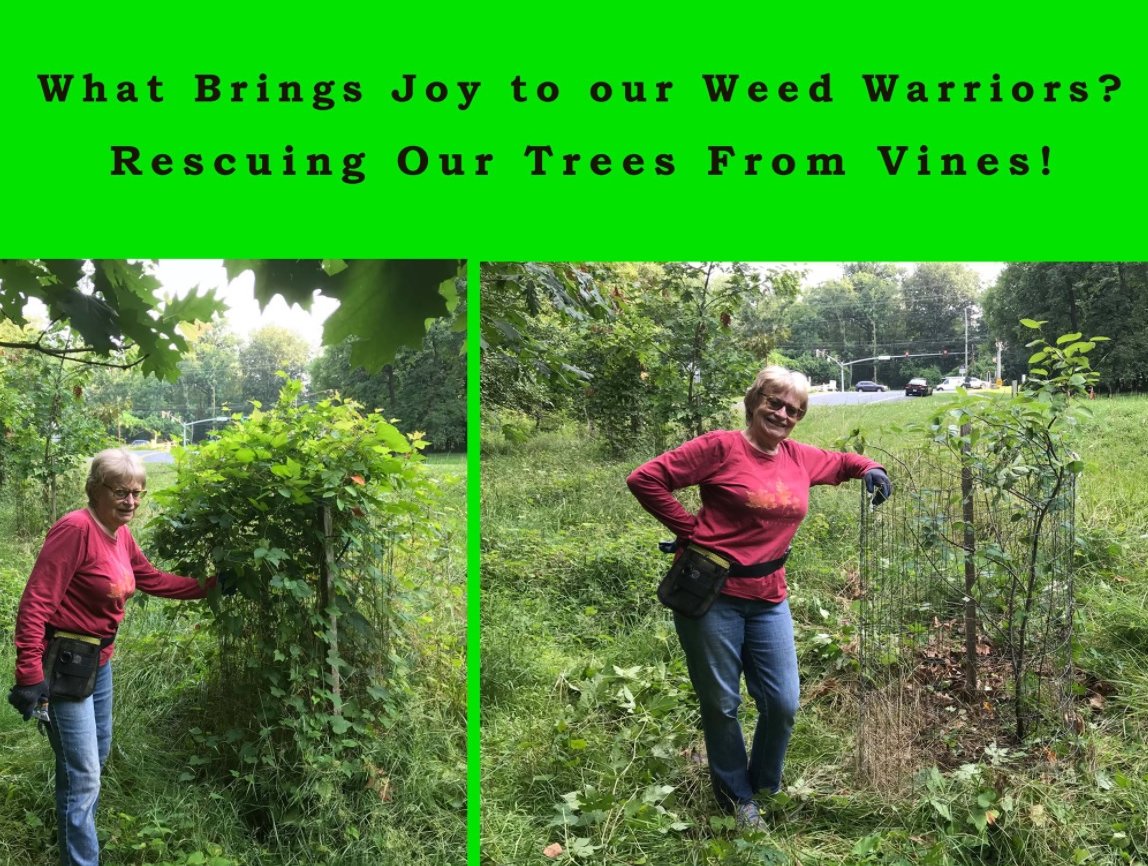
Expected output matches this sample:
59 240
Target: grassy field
590 737
157 807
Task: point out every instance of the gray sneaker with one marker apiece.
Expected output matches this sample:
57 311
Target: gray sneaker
747 817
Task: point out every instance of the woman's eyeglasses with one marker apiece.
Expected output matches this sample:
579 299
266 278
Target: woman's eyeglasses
776 404
123 495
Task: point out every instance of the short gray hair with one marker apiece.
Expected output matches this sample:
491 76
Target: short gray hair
772 380
114 464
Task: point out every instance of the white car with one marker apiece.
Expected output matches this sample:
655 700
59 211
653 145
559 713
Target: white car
951 383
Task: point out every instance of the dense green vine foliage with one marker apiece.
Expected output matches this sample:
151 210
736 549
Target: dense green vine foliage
302 507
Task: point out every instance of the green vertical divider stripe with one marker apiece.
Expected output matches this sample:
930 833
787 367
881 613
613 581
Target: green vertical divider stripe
473 577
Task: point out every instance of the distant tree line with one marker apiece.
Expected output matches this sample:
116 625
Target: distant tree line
1097 298
655 350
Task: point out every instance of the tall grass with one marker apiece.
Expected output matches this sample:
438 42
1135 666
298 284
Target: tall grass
590 736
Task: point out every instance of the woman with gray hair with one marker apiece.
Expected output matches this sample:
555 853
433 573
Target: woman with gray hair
72 605
754 486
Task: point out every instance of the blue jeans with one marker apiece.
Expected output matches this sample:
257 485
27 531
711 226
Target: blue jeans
81 735
741 636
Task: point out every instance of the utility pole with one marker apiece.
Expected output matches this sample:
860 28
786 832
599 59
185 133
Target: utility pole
966 370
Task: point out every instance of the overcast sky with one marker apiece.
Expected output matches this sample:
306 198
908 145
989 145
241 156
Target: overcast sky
820 272
243 315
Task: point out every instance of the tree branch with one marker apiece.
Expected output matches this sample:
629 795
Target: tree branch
67 354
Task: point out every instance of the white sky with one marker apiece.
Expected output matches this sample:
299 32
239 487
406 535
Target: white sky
243 315
820 272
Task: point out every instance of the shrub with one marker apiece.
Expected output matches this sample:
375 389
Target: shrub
302 506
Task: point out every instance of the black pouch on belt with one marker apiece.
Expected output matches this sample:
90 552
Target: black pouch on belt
694 581
71 665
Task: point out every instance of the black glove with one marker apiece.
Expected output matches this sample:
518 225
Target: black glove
878 483
228 582
26 698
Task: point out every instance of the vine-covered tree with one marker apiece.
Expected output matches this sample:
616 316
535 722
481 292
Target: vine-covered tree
302 507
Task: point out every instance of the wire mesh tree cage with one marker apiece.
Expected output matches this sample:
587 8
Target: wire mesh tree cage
965 613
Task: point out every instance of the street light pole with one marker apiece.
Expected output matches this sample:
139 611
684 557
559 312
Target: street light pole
841 368
186 424
966 370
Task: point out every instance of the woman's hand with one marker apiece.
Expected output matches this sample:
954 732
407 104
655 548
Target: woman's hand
228 582
878 483
26 698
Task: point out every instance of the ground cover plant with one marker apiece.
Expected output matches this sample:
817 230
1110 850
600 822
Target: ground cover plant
362 757
591 742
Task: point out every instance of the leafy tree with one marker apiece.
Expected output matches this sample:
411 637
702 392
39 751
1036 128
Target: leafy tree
530 315
110 304
878 304
46 421
422 389
1100 297
936 295
704 363
818 369
856 316
384 303
766 322
212 374
636 349
152 427
271 350
619 355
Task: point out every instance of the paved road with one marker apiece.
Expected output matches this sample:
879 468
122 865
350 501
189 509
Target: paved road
155 456
848 398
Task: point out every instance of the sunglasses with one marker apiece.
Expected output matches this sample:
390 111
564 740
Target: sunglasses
776 404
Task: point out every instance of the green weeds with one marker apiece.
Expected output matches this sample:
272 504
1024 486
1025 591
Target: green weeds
162 802
591 748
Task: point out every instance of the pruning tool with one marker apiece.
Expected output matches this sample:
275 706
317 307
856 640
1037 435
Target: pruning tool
40 714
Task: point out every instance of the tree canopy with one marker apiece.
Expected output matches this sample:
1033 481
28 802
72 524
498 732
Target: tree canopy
115 316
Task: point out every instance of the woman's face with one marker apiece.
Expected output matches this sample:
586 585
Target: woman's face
116 500
774 418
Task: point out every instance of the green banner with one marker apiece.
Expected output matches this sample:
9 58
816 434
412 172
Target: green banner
624 131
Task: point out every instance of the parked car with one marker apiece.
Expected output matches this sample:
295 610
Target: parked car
918 387
140 442
951 383
866 385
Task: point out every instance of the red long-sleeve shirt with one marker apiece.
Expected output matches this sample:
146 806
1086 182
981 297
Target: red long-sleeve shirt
81 582
752 502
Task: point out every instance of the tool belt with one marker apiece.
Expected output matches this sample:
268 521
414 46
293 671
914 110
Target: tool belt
761 569
696 578
72 663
